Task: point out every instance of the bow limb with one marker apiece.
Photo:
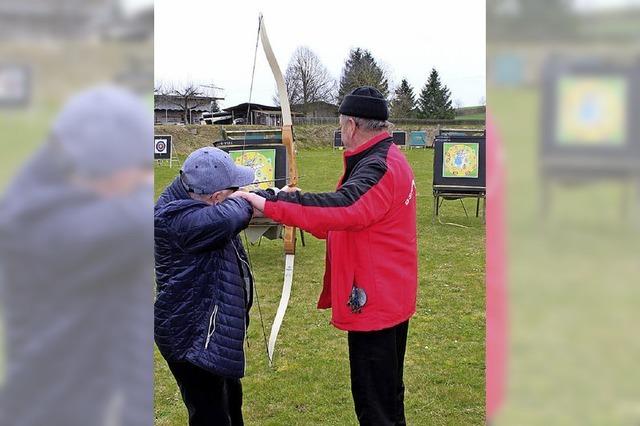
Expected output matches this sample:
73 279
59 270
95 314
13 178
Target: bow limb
277 74
289 232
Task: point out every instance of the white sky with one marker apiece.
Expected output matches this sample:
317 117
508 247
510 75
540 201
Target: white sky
587 5
133 6
209 41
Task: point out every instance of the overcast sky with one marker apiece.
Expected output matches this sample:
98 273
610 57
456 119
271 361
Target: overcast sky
133 6
604 4
213 41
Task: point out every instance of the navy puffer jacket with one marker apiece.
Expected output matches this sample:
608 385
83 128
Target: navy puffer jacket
203 281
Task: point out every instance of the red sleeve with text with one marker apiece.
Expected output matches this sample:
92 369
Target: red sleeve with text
363 199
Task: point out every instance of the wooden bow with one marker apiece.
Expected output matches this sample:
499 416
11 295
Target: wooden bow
292 169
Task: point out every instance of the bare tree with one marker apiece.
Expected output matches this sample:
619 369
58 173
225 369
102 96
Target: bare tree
482 101
457 104
186 96
307 79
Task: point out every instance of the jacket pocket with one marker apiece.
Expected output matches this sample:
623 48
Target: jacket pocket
212 326
364 289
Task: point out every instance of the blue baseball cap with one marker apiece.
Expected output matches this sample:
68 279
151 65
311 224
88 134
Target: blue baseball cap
208 170
103 130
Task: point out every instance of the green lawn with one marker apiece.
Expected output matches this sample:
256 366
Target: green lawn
21 133
573 287
471 117
309 384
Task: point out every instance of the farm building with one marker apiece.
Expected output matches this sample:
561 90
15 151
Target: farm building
266 115
170 109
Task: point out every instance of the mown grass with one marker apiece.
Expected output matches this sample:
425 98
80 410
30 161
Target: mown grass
21 132
471 117
309 384
573 293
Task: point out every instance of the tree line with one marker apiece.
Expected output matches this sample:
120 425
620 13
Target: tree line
308 81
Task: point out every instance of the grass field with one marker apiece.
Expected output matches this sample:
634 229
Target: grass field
20 134
309 384
573 293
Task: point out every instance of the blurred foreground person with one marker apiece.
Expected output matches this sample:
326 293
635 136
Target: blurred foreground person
75 268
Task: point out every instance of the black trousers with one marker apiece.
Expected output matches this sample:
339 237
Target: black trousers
377 360
211 400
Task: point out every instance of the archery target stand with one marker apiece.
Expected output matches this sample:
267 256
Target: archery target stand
459 171
163 149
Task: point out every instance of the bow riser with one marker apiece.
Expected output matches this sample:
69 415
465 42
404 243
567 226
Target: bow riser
290 232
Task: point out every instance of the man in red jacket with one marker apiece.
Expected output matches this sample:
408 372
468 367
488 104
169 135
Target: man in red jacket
370 279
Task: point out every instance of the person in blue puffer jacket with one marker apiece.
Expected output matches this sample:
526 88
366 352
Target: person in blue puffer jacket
204 284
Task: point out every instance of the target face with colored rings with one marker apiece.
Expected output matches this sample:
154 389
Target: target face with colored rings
161 147
592 111
460 160
260 160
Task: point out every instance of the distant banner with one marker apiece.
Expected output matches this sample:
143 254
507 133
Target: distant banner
337 139
400 138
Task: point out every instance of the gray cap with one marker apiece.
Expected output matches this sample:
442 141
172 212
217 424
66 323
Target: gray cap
208 170
103 130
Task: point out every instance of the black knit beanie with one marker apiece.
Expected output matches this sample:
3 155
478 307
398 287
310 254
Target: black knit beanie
365 102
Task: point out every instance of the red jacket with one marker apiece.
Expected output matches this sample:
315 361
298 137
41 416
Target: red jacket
371 269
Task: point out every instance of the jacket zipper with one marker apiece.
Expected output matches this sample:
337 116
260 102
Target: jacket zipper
246 296
212 326
244 336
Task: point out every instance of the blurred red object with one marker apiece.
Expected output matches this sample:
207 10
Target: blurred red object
496 291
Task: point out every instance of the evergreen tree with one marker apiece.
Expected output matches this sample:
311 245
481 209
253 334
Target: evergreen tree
361 69
435 99
403 102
